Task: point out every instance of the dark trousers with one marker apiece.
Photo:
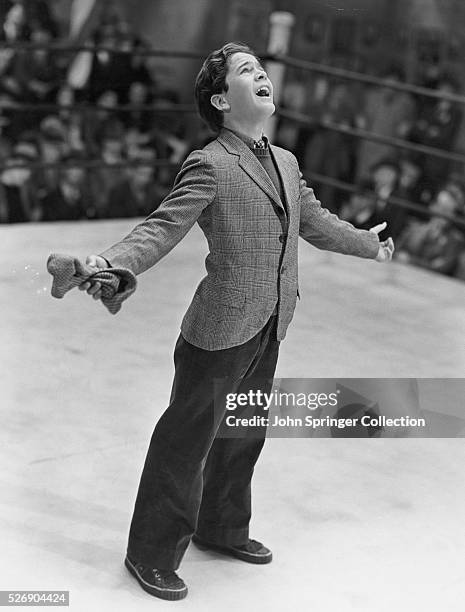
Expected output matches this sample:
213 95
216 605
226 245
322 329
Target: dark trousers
194 481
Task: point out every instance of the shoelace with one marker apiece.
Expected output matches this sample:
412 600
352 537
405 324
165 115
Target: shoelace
164 574
251 546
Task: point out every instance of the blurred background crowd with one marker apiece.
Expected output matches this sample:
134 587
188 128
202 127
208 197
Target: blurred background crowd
97 118
104 155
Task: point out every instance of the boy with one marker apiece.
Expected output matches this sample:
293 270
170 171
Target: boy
251 202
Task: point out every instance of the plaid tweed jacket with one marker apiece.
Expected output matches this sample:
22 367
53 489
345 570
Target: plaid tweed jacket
252 258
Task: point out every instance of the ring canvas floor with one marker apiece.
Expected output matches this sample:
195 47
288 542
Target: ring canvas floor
354 525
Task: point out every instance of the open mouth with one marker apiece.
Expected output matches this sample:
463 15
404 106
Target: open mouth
263 92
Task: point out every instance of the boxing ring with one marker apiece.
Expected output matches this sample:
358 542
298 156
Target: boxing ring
354 524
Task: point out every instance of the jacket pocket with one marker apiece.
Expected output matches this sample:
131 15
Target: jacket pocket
224 295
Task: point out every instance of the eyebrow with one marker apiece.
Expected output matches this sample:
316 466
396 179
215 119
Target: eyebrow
248 63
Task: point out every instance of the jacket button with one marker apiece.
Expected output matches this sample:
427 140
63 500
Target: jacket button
282 238
283 269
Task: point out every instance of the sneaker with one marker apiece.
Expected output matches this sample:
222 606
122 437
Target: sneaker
252 551
165 584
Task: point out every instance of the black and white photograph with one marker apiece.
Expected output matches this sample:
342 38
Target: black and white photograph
201 410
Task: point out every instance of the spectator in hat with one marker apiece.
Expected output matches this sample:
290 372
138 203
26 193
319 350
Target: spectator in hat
371 204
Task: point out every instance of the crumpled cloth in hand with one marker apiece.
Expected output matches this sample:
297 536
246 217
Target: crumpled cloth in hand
69 272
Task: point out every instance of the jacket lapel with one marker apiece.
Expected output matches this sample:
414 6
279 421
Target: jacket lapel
250 164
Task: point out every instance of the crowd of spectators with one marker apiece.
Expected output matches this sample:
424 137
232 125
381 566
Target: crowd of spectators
102 158
385 176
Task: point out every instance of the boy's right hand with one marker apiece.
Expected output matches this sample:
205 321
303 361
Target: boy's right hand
92 287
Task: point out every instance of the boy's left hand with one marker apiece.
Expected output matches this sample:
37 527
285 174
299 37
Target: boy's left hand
386 248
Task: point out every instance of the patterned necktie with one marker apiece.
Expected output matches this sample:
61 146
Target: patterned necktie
260 144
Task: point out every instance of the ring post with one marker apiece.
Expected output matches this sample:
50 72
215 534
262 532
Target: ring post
281 23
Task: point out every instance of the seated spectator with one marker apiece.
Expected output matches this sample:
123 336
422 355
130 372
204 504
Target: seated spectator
438 127
16 120
139 119
387 112
71 118
71 200
386 177
137 194
435 244
40 71
18 199
39 13
52 149
370 204
331 152
111 66
411 186
68 122
139 69
103 122
361 206
32 76
105 177
5 120
9 80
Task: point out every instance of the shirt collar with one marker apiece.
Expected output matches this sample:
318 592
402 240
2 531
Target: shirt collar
250 142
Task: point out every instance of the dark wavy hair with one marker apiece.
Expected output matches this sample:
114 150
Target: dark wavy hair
211 80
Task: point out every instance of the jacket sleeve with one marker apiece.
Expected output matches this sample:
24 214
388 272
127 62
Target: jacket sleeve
326 231
193 190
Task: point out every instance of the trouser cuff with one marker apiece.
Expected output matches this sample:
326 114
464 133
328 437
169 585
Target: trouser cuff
222 535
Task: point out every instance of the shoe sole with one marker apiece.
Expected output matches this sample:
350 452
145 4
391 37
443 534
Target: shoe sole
170 595
233 552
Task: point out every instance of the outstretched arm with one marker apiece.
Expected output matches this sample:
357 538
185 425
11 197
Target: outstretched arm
326 231
194 189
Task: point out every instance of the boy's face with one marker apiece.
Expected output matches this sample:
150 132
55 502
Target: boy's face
250 92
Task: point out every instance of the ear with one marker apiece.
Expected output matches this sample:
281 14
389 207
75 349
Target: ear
220 103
